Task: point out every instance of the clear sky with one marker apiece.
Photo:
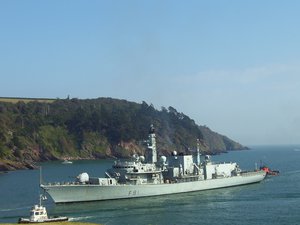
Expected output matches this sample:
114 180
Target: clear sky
231 65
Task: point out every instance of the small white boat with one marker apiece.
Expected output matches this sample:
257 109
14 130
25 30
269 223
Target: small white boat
38 214
67 162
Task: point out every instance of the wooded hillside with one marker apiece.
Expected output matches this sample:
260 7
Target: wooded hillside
95 128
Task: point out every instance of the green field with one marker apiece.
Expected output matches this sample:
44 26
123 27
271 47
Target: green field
26 100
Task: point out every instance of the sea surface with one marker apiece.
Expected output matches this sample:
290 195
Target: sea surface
276 200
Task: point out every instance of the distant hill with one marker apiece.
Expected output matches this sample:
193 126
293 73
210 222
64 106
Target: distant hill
26 100
34 131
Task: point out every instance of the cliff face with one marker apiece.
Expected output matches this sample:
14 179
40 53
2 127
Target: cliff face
214 142
96 128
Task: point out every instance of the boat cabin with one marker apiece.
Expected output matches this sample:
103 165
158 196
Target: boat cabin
38 213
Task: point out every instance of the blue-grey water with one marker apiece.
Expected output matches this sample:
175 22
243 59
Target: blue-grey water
276 200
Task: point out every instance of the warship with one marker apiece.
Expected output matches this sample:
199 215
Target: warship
150 175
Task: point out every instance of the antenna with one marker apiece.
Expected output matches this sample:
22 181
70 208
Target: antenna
40 175
198 152
40 196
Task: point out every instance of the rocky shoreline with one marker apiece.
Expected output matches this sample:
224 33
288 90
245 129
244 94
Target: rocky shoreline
11 166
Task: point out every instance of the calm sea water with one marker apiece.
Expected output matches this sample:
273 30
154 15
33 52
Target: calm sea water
276 200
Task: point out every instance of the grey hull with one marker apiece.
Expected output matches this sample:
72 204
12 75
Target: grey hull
87 192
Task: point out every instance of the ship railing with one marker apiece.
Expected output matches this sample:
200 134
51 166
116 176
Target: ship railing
215 163
63 183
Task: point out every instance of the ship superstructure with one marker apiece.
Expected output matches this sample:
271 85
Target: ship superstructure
147 175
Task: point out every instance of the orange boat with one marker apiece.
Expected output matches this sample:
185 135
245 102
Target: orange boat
269 171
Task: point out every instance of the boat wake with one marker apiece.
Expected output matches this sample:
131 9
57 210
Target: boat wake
293 172
14 209
81 218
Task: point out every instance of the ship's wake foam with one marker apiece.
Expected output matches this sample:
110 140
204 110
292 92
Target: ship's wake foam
79 218
14 209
